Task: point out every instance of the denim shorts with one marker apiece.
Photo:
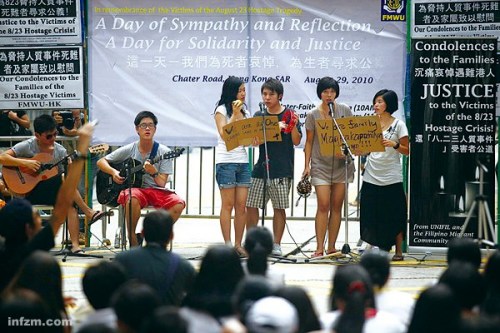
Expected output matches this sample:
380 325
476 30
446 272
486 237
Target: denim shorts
229 175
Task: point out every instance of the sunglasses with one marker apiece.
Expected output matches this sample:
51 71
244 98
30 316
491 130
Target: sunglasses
50 136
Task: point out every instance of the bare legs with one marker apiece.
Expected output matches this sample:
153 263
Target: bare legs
132 217
73 229
233 197
279 219
399 245
328 214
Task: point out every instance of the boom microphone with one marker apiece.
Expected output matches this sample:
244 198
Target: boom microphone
331 106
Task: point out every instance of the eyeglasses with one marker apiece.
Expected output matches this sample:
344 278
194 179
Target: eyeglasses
144 125
50 136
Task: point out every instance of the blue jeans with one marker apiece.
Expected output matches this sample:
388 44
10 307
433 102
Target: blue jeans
229 175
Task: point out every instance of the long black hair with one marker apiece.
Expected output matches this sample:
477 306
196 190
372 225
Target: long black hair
229 93
352 285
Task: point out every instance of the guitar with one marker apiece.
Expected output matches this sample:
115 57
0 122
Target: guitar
20 180
108 191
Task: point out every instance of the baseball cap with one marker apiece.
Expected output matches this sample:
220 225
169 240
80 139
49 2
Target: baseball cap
272 315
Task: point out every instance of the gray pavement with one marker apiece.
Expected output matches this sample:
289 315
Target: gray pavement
193 236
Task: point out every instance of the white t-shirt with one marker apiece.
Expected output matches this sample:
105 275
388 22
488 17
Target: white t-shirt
238 154
384 168
382 322
398 303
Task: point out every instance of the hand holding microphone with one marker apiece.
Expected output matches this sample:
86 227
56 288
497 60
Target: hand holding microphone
237 108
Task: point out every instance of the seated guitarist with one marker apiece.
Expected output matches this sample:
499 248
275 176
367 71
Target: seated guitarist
45 192
152 192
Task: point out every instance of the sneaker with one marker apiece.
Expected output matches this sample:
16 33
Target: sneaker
276 250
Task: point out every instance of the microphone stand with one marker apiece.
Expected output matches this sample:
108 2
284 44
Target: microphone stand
348 159
267 179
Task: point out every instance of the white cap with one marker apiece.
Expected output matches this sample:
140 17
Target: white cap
272 314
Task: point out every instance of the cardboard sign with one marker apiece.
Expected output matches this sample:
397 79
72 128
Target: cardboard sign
363 135
243 132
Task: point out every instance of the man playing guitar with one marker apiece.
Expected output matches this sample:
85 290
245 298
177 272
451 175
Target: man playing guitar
45 192
152 192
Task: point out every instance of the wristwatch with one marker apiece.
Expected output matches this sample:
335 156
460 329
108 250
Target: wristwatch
78 155
396 146
154 175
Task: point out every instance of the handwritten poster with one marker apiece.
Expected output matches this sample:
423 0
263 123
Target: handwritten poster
363 135
243 132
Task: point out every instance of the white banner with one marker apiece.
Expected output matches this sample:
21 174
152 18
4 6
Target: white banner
171 57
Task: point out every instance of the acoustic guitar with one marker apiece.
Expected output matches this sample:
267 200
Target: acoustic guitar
20 180
132 170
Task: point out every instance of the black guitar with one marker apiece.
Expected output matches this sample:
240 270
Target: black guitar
108 191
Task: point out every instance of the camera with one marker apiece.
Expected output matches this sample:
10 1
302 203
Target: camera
68 120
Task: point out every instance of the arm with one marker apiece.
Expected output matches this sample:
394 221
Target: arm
220 122
23 121
296 136
308 152
9 158
404 145
159 178
221 119
65 196
104 166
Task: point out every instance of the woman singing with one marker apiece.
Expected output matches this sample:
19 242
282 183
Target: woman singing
383 200
327 172
232 171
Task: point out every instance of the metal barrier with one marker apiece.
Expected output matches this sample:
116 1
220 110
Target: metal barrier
194 180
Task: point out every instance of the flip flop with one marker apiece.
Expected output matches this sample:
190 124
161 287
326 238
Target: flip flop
317 254
78 251
241 251
397 258
98 216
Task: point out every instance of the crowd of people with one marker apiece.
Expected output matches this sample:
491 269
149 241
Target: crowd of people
152 289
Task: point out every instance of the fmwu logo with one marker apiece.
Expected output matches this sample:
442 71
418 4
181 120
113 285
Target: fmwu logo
393 10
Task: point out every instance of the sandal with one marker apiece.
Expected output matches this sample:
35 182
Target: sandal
241 251
317 254
99 215
397 257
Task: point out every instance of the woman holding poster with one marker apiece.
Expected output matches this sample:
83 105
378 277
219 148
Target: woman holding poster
232 171
383 200
327 172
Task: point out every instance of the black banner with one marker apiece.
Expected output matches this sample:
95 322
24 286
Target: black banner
453 137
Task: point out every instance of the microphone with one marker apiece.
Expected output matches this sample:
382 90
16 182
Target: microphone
262 107
331 106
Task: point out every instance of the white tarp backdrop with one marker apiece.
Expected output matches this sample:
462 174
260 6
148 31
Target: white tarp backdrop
170 57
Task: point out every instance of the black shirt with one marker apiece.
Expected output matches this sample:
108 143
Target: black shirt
281 153
166 272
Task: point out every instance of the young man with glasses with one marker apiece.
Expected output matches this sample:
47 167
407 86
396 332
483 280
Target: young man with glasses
152 192
45 192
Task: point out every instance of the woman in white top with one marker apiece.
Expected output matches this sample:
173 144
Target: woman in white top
232 169
327 172
383 199
353 305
